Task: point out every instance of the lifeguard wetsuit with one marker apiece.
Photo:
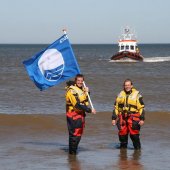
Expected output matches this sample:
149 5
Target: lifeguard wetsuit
76 106
128 111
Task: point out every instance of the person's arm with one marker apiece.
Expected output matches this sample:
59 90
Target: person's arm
82 107
73 97
140 106
115 114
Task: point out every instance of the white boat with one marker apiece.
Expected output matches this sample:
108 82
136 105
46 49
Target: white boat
128 49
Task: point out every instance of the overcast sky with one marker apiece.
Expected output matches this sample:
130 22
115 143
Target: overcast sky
86 21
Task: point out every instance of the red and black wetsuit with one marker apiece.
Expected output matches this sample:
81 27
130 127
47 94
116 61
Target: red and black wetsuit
76 106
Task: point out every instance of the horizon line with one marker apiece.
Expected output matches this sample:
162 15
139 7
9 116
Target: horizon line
73 43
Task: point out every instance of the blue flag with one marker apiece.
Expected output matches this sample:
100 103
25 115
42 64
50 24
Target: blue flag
52 65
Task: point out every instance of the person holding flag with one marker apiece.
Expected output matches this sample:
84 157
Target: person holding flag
56 64
76 108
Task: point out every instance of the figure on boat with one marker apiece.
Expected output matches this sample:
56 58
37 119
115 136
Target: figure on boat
128 49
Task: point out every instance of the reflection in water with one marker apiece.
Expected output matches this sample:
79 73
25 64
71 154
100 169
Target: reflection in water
130 161
136 155
74 163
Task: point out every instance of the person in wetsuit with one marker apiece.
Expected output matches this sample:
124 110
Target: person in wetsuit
129 114
76 109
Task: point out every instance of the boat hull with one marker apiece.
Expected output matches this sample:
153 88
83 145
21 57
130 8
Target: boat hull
127 55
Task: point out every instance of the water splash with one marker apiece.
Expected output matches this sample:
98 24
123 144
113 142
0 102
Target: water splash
156 59
124 60
146 60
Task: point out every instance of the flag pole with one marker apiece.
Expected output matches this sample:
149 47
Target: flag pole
88 96
64 30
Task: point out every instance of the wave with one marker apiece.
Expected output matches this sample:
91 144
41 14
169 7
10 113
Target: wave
127 60
156 59
146 60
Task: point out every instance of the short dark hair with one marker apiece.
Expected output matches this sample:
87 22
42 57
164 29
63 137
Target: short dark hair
79 75
128 80
70 83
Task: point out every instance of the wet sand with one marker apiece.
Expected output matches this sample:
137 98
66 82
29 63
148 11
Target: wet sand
34 142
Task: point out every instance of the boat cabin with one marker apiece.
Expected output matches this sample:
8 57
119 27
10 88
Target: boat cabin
127 42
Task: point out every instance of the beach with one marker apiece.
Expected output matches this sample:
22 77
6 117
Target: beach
39 141
33 130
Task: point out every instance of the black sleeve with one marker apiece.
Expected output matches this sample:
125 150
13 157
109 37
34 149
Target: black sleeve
141 100
82 107
142 116
114 116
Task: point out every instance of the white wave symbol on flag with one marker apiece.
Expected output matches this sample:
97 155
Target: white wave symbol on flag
51 64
